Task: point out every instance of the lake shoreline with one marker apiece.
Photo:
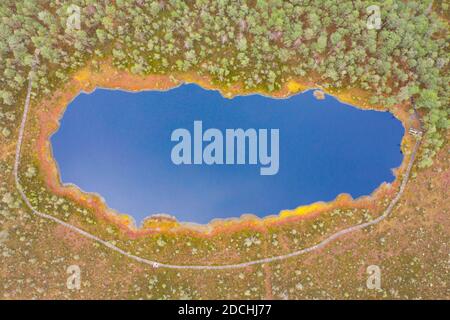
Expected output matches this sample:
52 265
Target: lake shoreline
50 113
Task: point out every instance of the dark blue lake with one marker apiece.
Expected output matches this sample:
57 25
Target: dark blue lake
118 144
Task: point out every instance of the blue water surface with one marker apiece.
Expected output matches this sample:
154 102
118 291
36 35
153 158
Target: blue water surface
118 144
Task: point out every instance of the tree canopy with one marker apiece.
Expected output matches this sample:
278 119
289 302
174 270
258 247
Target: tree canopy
261 44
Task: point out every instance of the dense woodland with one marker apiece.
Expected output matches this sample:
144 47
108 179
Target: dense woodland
260 44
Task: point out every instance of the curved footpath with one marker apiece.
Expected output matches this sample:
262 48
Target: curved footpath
156 264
